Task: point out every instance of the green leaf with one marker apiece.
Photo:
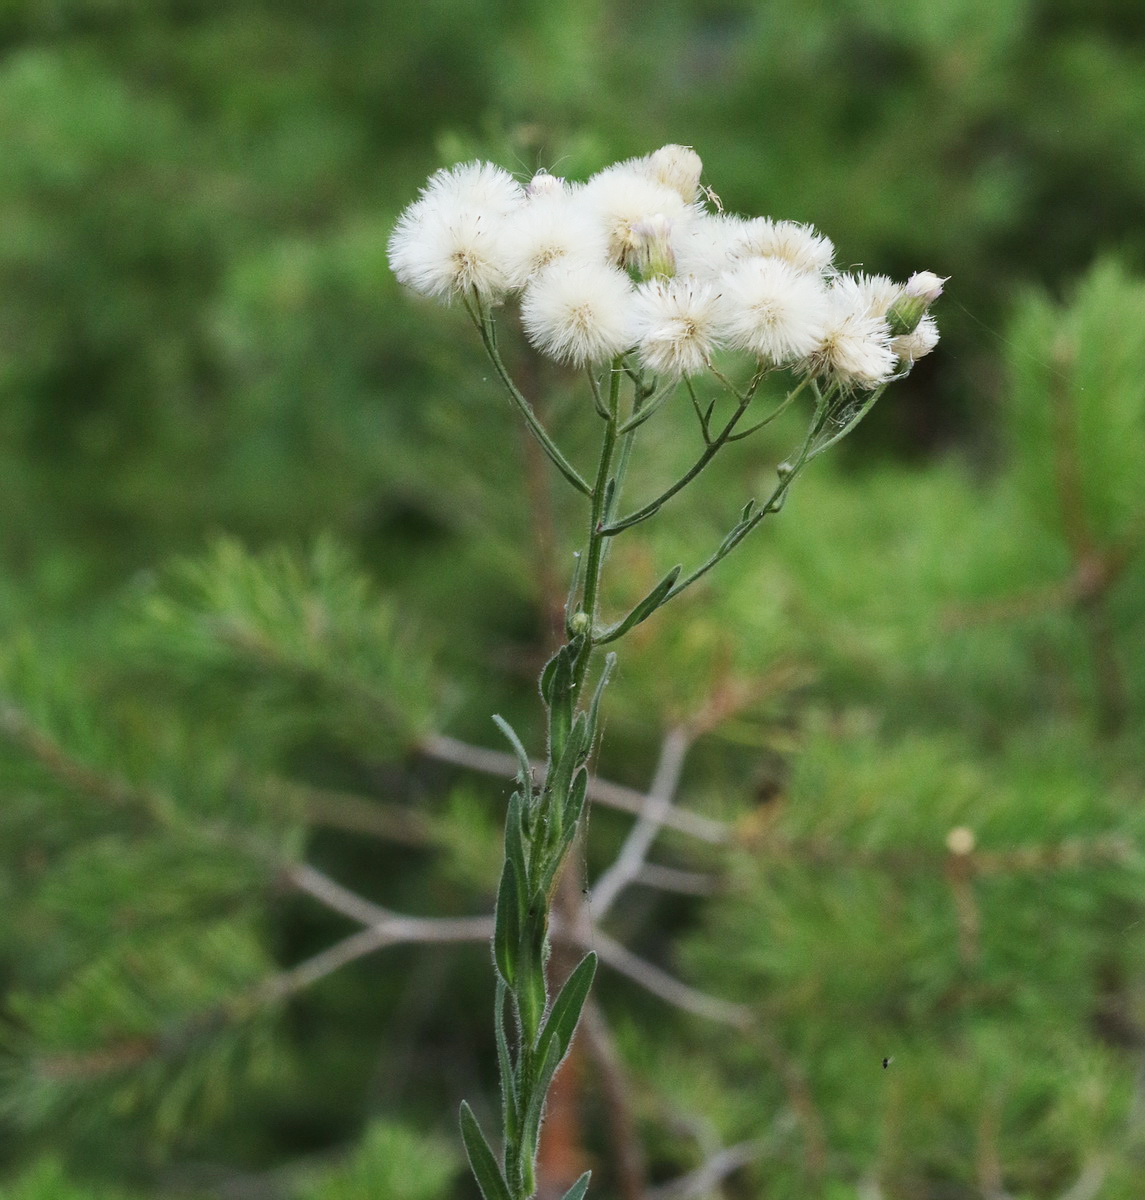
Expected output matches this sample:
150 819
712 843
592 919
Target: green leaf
565 1015
644 609
507 924
578 1189
574 805
531 1124
481 1160
570 602
530 991
515 838
524 767
509 1103
598 693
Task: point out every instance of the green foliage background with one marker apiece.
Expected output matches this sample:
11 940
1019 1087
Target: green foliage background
268 525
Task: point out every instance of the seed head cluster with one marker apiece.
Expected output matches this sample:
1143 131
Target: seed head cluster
634 260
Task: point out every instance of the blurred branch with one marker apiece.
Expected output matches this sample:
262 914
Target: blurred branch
671 879
654 813
612 795
710 1174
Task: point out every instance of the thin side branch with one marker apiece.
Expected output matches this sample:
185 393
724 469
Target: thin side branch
710 1174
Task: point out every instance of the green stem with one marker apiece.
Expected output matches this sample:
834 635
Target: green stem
488 338
713 448
594 559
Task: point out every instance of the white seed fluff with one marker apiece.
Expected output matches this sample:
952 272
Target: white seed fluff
676 324
579 312
922 339
855 350
624 201
676 167
703 244
549 227
777 313
451 240
442 249
797 244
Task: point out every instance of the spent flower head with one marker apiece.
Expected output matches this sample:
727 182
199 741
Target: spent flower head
579 312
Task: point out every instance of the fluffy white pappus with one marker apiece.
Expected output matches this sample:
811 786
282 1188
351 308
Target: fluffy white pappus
799 245
855 350
550 227
703 245
442 248
879 292
625 201
676 167
773 310
909 347
478 185
578 312
677 325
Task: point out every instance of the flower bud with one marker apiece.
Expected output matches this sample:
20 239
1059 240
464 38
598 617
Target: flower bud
677 167
920 292
543 184
579 623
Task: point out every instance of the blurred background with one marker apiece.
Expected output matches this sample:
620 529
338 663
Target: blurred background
274 549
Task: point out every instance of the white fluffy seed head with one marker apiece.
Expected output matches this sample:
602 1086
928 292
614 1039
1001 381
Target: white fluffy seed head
703 244
799 245
925 286
676 167
451 239
444 250
550 227
879 292
579 312
624 201
478 185
769 308
855 350
676 323
922 339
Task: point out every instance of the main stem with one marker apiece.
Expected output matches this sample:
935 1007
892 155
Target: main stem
594 559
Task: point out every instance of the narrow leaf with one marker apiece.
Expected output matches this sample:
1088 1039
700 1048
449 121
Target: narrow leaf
530 992
574 805
644 609
515 838
570 602
481 1160
507 924
578 1189
524 767
509 1109
531 1121
563 1019
598 692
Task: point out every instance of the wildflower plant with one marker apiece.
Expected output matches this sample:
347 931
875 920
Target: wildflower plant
638 278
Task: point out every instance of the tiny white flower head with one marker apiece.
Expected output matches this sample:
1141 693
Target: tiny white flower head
772 310
797 244
703 244
451 239
925 286
624 200
579 312
855 349
676 167
544 184
922 339
550 227
677 325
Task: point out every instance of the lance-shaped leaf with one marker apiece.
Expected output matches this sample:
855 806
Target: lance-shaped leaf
481 1159
507 924
515 834
565 1014
510 1110
578 1189
530 991
598 692
531 1120
524 767
644 609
